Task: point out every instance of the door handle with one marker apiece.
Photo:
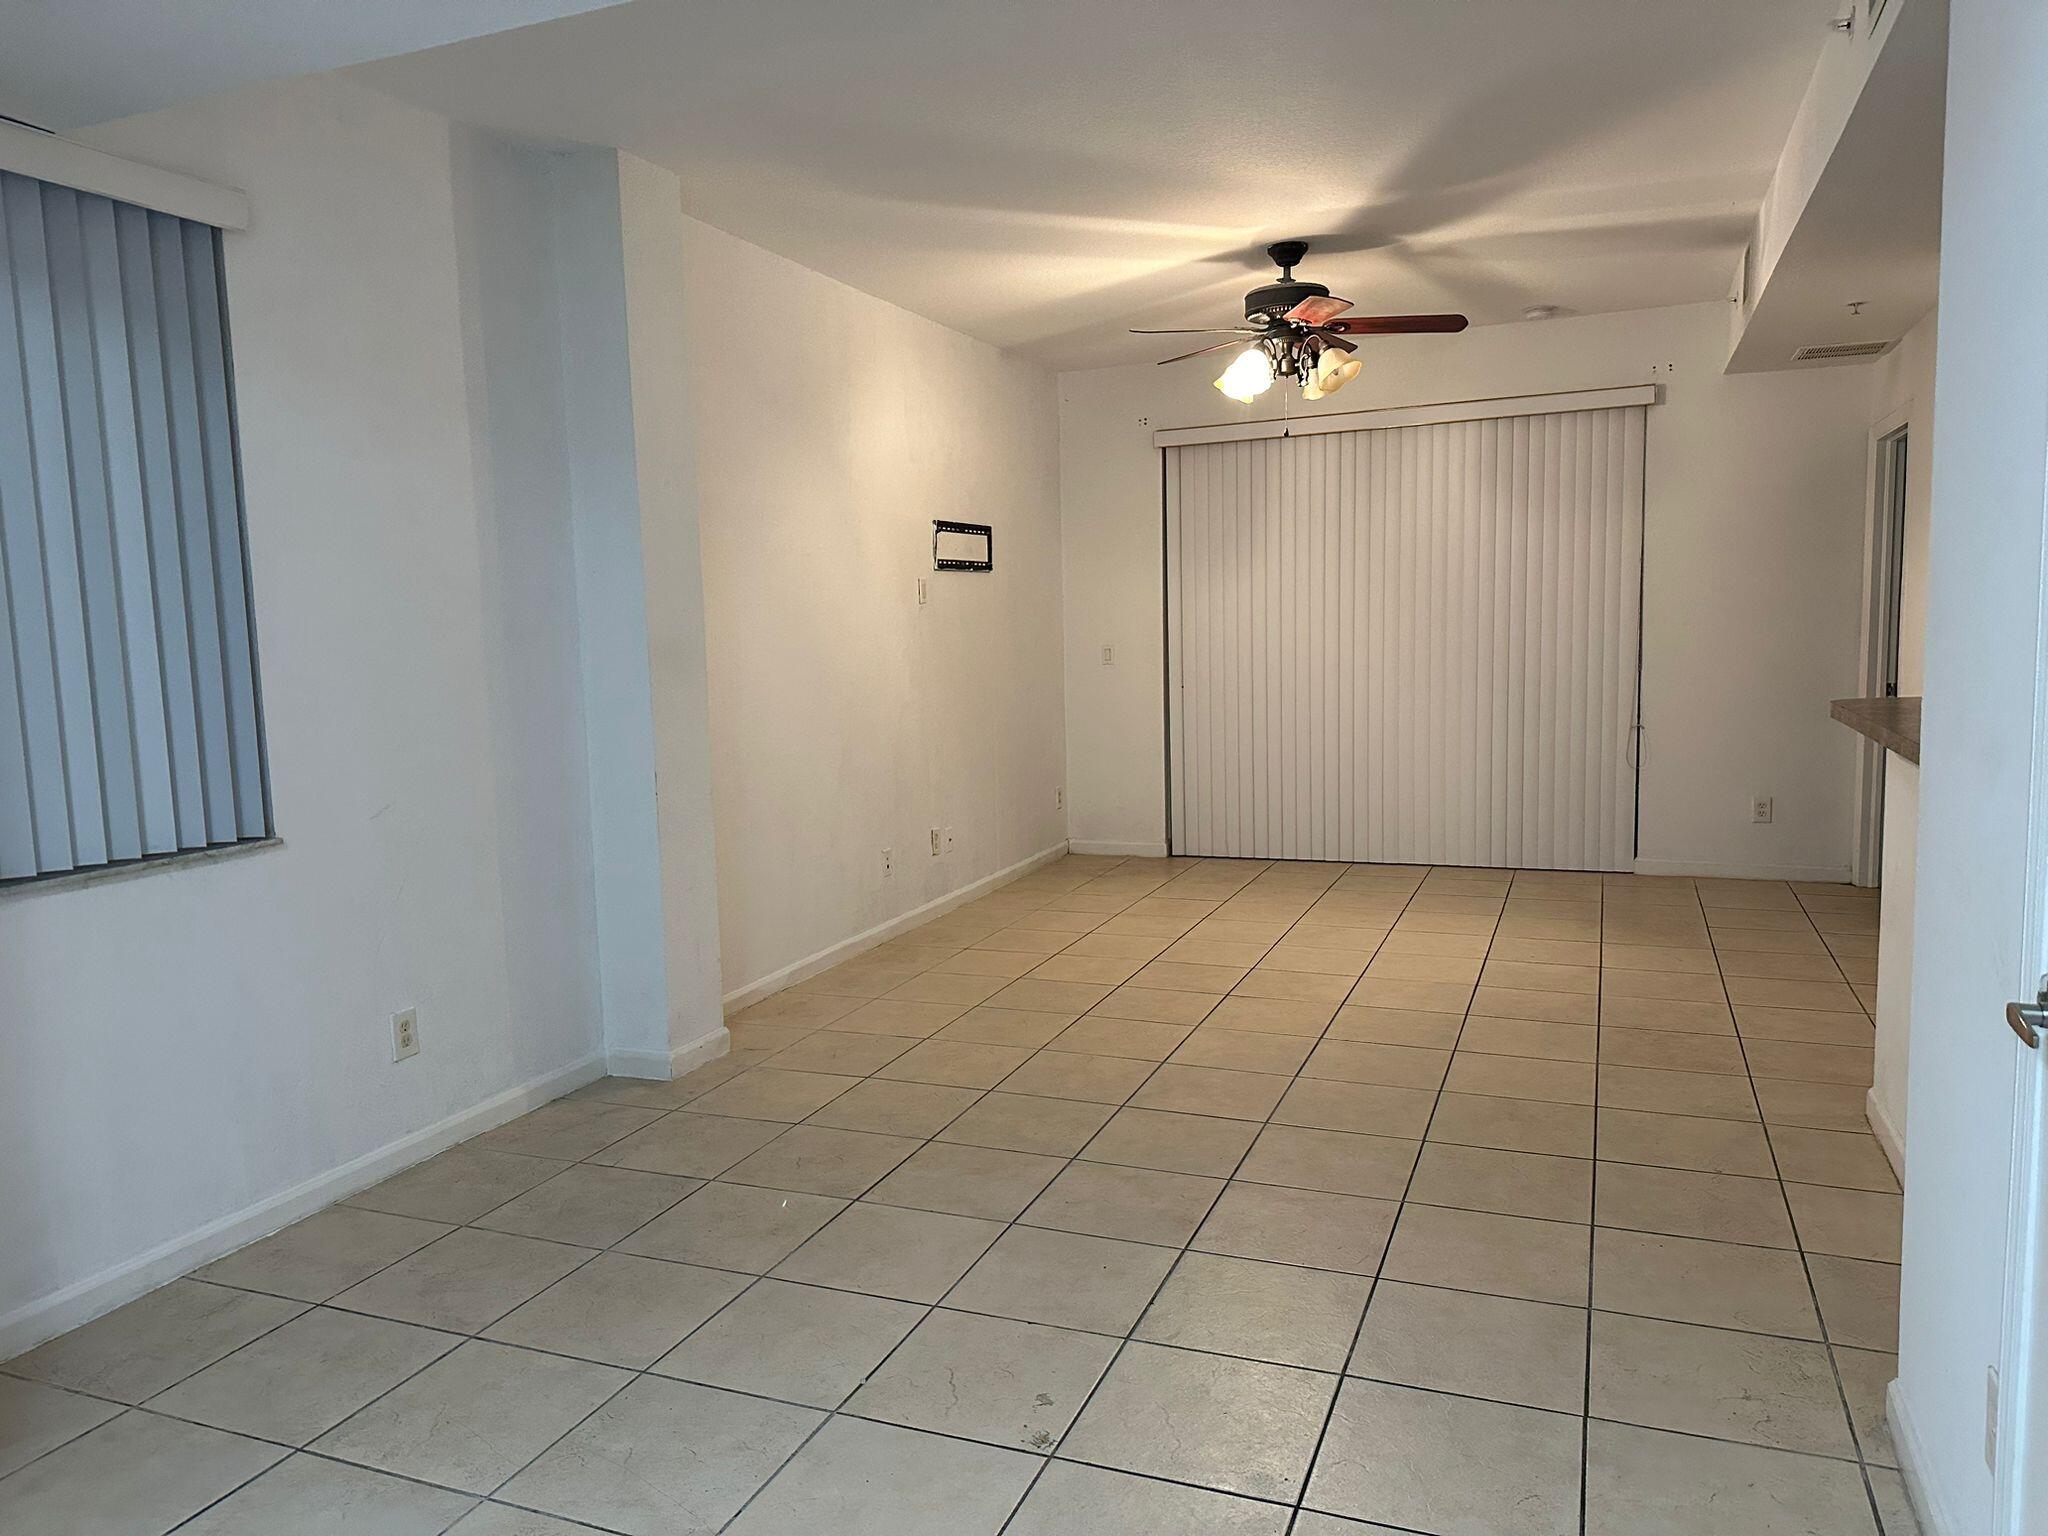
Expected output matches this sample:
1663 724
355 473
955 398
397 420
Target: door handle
2029 1019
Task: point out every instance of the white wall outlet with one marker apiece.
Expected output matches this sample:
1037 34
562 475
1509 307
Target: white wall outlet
405 1034
1109 655
937 840
888 862
1760 809
949 839
1059 797
924 591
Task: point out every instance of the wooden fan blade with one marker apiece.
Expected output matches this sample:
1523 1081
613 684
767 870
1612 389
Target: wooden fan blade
1201 330
1221 346
1396 325
1329 339
1314 311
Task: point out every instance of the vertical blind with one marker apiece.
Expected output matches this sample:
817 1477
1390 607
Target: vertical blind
129 715
1416 644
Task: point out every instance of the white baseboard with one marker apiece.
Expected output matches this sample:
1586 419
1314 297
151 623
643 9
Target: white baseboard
752 992
660 1066
1888 1135
1935 1513
1838 873
47 1316
1119 850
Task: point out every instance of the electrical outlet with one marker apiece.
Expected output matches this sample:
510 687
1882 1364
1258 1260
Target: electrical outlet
1760 810
1059 797
949 839
405 1034
888 862
1991 1418
1109 655
936 838
924 591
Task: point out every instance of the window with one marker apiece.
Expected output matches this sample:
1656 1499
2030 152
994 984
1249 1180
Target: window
130 720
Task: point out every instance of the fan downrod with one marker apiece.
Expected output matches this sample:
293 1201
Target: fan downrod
1287 255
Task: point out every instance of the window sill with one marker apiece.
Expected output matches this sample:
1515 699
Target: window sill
134 869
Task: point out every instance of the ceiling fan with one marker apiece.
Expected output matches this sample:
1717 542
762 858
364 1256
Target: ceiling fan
1295 329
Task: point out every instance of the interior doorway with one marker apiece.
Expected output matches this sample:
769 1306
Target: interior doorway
1884 581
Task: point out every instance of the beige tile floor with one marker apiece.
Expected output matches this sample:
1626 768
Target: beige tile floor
1140 1196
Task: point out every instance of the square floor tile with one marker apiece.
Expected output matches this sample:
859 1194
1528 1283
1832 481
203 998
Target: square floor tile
1076 1500
475 1417
1640 1481
1710 1381
905 1017
323 1255
884 1251
1338 1162
1274 1016
1212 1091
890 1108
1238 1425
734 1226
1514 1125
1824 1106
1277 1312
1849 1223
799 1343
1511 1183
1688 1280
1005 1026
136 1473
1141 1204
1369 1108
136 1351
1859 1300
1131 1039
1023 1123
1847 1160
464 1282
861 1479
1867 1375
620 1309
1432 1462
1071 1075
1501 1255
1064 1278
311 1497
300 1381
1665 1092
692 1146
821 1160
1157 1005
35 1419
568 1129
587 1206
1009 1383
1682 1203
1298 1226
767 1093
1243 1050
1520 1077
842 1054
956 1063
967 1181
1529 1037
458 1185
1362 1061
1685 1141
1173 1143
1526 1352
663 1456
1671 1051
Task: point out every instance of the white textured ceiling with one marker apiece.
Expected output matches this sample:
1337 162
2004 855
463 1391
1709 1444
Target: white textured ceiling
67 63
1045 173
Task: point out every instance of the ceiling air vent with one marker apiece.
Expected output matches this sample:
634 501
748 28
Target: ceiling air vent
1839 350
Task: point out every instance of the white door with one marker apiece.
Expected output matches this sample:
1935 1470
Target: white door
1414 644
1973 1273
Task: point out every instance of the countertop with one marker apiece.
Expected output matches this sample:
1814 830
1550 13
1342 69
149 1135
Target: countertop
1893 724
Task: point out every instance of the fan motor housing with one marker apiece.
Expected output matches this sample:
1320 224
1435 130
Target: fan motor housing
1275 299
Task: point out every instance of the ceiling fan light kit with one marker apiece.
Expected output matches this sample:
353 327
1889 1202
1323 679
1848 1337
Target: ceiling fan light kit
1292 329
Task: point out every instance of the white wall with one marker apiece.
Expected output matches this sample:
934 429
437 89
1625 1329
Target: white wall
186 1051
1903 390
1976 941
846 718
1752 579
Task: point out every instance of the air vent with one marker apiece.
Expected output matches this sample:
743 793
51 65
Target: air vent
1840 349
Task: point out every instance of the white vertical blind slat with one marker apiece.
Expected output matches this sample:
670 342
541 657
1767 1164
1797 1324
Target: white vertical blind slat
1415 643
